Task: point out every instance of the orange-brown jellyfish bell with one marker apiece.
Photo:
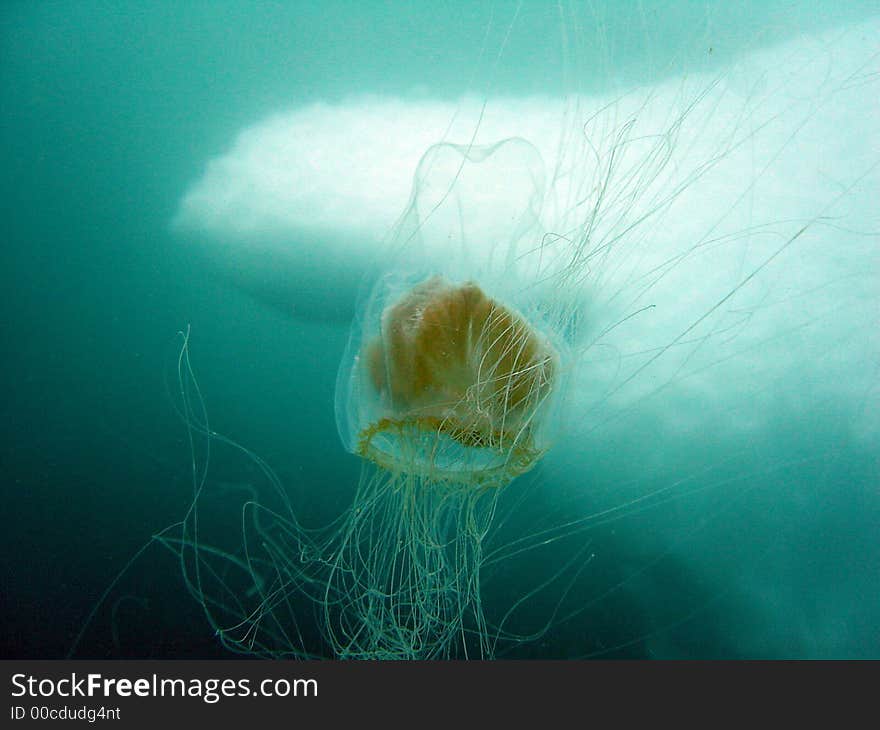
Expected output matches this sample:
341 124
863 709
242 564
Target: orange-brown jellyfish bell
459 384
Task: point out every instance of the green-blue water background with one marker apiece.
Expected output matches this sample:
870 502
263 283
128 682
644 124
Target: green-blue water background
108 111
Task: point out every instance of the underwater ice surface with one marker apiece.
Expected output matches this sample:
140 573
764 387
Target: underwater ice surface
719 458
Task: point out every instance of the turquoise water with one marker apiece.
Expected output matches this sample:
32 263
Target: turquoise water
741 468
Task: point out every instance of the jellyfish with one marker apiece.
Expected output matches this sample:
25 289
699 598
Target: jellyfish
597 313
449 390
452 386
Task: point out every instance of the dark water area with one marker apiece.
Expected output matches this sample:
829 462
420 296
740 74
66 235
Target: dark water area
108 111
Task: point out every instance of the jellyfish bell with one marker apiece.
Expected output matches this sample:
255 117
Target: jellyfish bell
459 383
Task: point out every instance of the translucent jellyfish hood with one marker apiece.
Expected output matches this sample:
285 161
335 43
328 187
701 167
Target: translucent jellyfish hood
455 365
